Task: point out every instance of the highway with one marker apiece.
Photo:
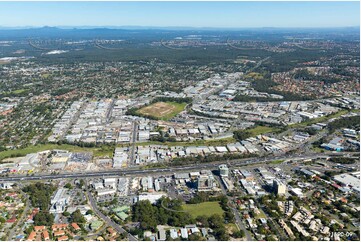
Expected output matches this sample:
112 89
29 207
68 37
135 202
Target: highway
139 171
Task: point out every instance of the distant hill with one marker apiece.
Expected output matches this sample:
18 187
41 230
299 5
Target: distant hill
151 33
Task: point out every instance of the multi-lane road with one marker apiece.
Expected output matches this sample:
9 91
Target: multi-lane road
138 171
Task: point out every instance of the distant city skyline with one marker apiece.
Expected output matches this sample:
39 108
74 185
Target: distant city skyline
181 14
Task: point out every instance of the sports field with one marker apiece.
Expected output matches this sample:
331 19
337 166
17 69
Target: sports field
203 209
162 110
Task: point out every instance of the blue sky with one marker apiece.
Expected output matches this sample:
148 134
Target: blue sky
190 14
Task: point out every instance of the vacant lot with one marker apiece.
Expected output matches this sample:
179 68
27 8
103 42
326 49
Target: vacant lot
162 110
103 151
261 130
203 209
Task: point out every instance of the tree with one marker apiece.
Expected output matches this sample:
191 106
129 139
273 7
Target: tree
68 185
145 213
194 237
39 194
89 212
77 217
238 234
203 220
43 218
241 134
162 212
28 230
81 183
229 216
114 201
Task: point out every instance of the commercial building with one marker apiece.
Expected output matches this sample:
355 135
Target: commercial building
223 170
152 197
205 182
59 201
279 187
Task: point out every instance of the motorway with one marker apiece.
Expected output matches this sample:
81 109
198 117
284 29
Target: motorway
138 171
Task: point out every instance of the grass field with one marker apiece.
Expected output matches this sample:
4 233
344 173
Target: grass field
253 76
260 215
206 208
275 162
97 151
162 110
18 91
262 130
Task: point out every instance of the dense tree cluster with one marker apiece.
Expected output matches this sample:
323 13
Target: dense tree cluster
172 99
163 137
311 131
343 160
245 98
77 217
165 211
60 91
241 134
346 122
43 218
228 215
219 230
216 222
40 194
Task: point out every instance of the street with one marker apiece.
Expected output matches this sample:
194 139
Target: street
106 219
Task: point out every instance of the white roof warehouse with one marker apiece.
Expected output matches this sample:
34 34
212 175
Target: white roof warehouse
348 180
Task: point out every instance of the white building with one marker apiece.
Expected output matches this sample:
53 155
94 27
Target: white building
223 170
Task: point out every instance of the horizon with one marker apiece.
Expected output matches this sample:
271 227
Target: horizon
144 27
220 15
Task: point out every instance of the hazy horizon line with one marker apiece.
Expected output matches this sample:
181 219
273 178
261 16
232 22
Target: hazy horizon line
166 27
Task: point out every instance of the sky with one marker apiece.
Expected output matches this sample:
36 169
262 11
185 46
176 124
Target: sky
181 14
